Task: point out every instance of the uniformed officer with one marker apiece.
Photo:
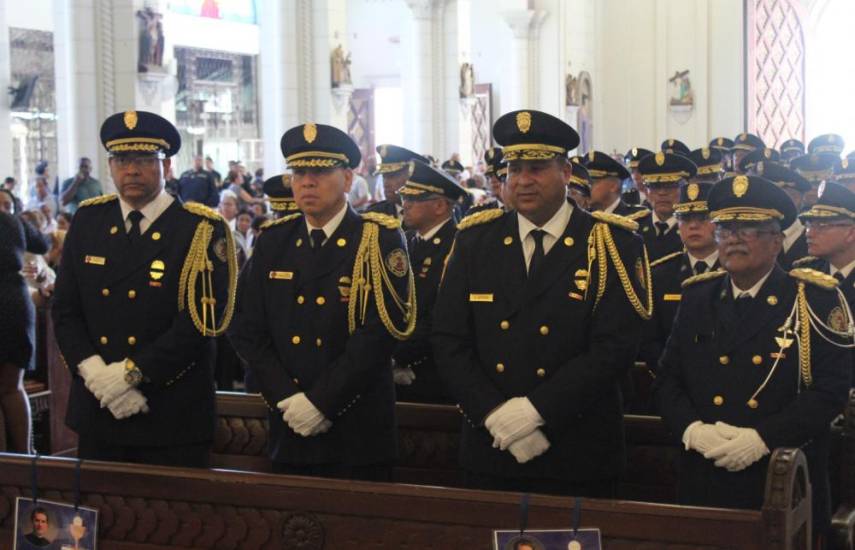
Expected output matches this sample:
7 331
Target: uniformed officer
631 160
724 146
579 186
663 174
710 164
736 380
453 168
826 144
674 147
326 296
429 198
844 173
496 172
146 285
831 238
742 145
749 161
815 168
791 149
394 167
280 195
606 176
794 245
669 272
533 329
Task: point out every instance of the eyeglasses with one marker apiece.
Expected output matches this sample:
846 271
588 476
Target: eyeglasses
126 161
816 225
743 233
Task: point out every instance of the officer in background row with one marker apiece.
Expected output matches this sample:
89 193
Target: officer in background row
794 245
146 285
744 144
394 167
532 334
631 159
325 296
724 145
663 173
791 149
280 195
579 186
429 197
736 381
606 175
496 171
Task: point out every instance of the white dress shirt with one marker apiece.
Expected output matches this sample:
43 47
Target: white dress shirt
752 292
150 212
554 228
845 270
709 260
330 227
429 235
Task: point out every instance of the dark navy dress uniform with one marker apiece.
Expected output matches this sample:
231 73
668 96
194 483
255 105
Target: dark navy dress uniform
785 178
599 166
309 321
393 158
719 356
148 301
663 170
552 337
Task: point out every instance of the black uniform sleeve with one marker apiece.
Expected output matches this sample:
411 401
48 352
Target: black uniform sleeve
213 199
35 241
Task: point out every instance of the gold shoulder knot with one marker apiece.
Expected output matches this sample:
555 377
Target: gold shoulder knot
280 221
103 199
204 211
708 276
635 216
666 258
804 261
613 219
814 277
478 218
384 220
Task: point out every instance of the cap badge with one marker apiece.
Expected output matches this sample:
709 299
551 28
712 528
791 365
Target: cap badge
692 191
844 164
720 141
740 186
821 191
131 120
310 132
286 181
524 121
705 152
591 156
767 153
660 158
634 152
743 136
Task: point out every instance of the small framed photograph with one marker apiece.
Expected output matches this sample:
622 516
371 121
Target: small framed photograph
547 539
54 525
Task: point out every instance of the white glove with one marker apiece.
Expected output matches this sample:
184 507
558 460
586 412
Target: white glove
744 448
128 404
530 446
302 416
108 383
89 366
702 437
403 376
514 419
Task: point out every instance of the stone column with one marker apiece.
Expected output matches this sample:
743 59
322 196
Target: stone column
519 73
418 85
5 118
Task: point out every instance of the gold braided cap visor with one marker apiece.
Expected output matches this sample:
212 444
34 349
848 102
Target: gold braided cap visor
317 159
826 211
745 214
415 188
666 177
690 207
709 169
532 151
388 167
827 149
283 205
137 144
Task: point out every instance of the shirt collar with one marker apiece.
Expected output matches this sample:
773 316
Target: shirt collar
152 210
754 289
845 270
709 260
611 208
672 221
331 225
554 227
433 231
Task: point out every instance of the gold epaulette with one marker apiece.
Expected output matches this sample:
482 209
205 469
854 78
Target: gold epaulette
478 218
98 200
666 258
708 276
204 211
384 220
805 261
280 221
635 216
614 219
814 277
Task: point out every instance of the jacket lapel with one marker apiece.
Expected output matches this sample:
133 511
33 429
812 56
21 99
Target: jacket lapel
147 248
761 312
572 242
336 248
512 264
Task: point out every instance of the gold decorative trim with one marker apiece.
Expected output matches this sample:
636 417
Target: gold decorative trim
153 141
385 220
478 218
817 278
614 219
826 211
666 258
280 221
746 214
708 276
103 199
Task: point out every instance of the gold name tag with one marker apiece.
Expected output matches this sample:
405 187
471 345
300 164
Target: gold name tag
95 260
576 296
672 297
480 297
281 275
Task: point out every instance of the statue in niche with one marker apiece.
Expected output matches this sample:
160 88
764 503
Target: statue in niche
585 115
467 80
571 88
681 84
340 64
151 40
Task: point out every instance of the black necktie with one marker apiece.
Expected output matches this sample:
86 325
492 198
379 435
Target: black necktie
743 302
661 227
700 267
318 236
135 216
537 257
839 276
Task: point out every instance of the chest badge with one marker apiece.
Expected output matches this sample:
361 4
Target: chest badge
155 272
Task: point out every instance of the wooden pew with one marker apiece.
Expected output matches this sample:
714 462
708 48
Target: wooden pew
145 507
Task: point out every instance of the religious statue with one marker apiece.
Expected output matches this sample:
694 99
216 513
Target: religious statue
151 40
467 80
340 66
683 87
571 89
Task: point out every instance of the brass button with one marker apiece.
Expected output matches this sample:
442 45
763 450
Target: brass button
295 340
505 325
724 360
753 404
757 359
544 330
155 236
500 367
114 230
297 381
131 340
772 300
132 294
541 373
319 342
300 299
320 300
508 240
103 340
299 242
105 292
568 241
718 400
341 243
